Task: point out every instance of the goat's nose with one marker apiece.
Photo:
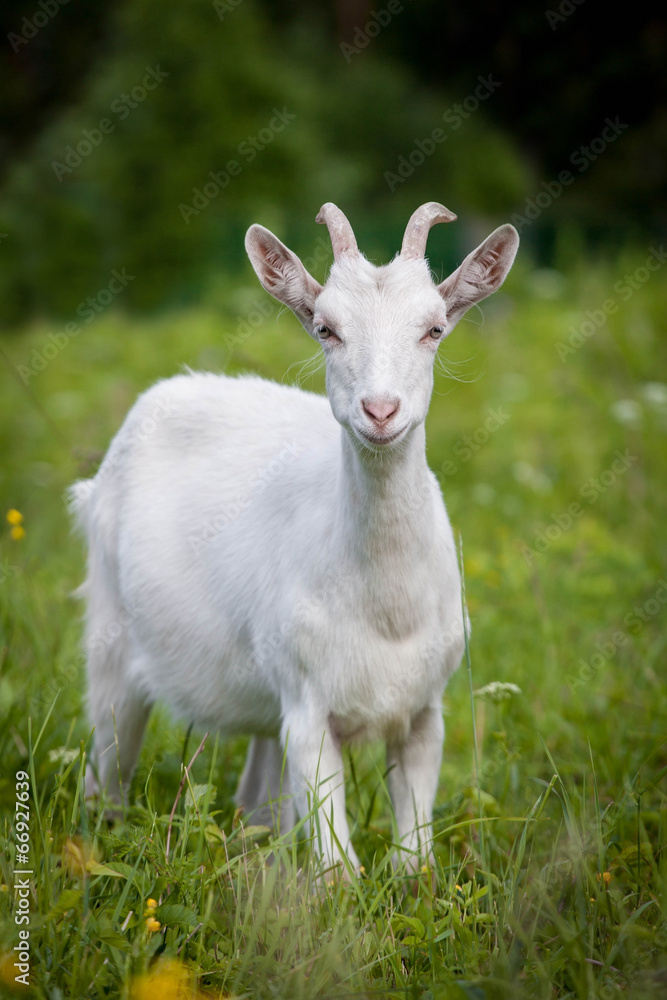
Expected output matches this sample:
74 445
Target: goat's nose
380 410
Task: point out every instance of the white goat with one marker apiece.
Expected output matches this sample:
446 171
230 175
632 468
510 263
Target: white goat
269 562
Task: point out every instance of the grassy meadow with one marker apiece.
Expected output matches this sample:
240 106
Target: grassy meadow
548 430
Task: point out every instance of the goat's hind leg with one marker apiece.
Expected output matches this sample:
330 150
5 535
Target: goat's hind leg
119 714
263 791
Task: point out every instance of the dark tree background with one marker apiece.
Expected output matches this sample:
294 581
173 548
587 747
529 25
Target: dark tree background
362 96
564 69
44 73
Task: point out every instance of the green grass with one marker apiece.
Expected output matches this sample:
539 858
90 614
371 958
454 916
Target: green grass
564 552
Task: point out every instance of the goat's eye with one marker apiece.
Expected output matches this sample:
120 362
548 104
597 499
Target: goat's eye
435 333
323 331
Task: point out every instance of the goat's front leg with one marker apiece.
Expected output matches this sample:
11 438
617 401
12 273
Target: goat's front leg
413 780
315 764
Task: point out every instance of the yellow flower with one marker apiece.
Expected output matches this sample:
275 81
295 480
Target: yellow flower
604 877
79 857
151 904
169 981
14 516
7 970
17 532
152 925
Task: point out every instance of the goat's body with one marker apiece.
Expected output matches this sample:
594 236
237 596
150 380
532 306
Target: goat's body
271 562
244 572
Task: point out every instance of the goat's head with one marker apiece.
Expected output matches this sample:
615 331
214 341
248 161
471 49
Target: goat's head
380 327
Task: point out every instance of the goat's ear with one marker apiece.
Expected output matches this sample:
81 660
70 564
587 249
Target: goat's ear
481 273
282 274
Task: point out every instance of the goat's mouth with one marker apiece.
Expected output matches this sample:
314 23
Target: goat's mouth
382 438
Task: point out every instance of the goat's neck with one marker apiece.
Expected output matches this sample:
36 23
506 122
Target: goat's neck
386 501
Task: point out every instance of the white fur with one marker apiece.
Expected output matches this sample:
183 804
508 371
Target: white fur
263 567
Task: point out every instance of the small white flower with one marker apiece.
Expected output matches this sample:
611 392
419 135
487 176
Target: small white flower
535 479
497 691
655 394
627 412
62 755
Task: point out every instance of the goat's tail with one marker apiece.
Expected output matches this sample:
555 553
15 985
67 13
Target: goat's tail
78 499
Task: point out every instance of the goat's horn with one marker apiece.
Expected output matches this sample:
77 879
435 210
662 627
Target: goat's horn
343 239
416 231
